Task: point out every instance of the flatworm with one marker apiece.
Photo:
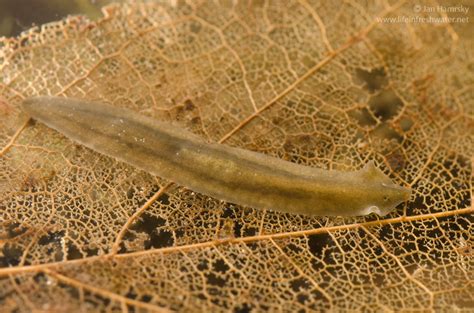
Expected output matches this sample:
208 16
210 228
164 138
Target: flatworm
218 170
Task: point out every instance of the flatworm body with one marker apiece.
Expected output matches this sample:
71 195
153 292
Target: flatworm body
226 173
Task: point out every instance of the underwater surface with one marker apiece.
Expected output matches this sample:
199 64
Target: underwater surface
19 15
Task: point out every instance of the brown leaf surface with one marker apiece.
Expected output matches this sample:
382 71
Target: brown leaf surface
322 84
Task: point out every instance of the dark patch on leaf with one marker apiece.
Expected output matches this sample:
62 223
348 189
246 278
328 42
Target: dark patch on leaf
300 284
384 131
215 280
12 230
363 117
51 237
374 79
160 239
73 252
385 105
11 256
243 308
219 266
189 105
317 243
164 199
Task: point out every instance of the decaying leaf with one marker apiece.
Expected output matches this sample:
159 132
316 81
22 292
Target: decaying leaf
330 85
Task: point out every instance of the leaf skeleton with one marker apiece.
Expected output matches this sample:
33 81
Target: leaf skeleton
218 170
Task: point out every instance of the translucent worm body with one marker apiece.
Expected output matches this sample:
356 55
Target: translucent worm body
226 173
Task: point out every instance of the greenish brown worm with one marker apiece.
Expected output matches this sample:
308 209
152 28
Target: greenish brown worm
217 170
